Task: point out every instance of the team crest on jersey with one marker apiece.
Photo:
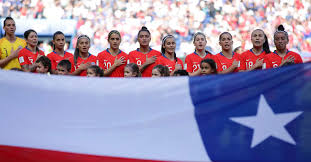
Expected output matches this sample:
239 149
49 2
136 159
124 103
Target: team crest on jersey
21 59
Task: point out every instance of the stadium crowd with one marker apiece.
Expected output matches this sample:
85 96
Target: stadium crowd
180 18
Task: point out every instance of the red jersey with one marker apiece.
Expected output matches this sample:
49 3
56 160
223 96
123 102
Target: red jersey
92 59
106 60
56 58
163 60
193 60
26 57
273 60
140 58
224 63
250 58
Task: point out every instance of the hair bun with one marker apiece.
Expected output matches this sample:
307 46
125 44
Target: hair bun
144 28
281 28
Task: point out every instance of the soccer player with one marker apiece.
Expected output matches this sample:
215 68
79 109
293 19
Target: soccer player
10 45
254 57
28 55
43 65
63 67
168 57
82 59
192 61
144 56
132 70
281 56
227 61
59 52
113 60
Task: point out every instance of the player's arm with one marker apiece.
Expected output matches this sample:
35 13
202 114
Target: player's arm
234 65
196 73
13 55
117 63
81 68
149 61
177 67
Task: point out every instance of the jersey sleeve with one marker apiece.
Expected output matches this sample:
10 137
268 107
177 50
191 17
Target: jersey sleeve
241 63
131 58
267 63
100 60
218 64
53 62
298 59
188 64
23 59
181 63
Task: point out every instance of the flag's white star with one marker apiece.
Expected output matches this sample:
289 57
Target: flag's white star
266 123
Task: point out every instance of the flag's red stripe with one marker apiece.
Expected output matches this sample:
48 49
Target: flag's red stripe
23 154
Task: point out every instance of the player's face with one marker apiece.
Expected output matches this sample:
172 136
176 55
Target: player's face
84 45
32 39
280 41
156 73
199 42
40 68
144 38
258 38
114 41
226 42
62 70
90 73
59 41
206 69
9 27
128 72
169 45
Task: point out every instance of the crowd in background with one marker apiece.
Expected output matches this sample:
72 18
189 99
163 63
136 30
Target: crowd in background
181 18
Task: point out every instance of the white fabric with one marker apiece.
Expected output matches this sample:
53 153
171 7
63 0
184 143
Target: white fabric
136 118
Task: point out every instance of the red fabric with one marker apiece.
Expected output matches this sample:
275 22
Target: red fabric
170 64
140 58
106 60
55 58
193 61
92 59
273 60
28 57
249 58
18 154
224 63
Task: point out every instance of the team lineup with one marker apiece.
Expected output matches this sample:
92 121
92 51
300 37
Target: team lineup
24 55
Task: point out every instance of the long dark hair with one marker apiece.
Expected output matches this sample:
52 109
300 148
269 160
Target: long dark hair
163 43
26 35
55 34
265 45
134 68
76 53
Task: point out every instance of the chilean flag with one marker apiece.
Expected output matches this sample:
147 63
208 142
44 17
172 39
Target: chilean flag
250 116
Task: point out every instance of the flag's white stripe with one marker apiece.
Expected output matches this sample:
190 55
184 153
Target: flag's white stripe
136 118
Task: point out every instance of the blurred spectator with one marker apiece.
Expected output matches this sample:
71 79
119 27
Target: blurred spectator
180 18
